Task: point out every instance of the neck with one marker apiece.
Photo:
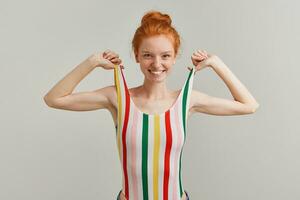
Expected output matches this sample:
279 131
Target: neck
154 90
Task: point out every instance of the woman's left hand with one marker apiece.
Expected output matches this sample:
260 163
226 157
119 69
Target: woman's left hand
202 59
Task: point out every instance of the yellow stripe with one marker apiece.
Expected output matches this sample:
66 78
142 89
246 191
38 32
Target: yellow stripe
117 83
156 156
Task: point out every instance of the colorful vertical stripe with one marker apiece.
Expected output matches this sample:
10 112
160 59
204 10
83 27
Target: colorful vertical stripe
156 157
150 145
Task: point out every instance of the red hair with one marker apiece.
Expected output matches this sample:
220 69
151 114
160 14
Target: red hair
155 23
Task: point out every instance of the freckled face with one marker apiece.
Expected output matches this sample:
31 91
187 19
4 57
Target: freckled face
156 57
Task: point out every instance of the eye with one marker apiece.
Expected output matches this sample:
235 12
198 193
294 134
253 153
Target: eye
167 55
146 55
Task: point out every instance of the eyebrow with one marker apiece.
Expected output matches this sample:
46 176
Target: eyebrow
145 51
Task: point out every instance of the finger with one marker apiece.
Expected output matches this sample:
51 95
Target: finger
119 61
110 56
107 51
114 57
202 56
202 52
206 55
198 58
115 60
199 55
112 53
105 54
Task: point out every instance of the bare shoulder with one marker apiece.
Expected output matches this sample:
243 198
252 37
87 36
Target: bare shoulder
111 93
134 91
196 98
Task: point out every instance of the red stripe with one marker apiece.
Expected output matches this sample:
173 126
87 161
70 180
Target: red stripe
127 106
167 154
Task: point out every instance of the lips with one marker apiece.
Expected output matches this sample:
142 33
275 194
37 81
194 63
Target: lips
156 72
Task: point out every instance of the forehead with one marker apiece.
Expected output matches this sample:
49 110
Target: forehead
157 44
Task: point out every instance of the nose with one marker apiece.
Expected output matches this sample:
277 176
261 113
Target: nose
157 62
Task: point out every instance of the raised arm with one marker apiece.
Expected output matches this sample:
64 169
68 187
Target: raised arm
243 103
61 96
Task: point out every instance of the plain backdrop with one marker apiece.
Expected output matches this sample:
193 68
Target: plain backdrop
51 154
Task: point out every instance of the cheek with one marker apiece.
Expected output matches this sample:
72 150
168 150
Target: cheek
145 65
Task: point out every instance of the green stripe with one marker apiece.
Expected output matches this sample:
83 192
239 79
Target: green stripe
180 185
145 156
185 93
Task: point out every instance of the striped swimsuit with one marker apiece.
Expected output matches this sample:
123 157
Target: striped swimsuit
150 145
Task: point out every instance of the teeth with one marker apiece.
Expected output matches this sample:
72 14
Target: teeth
156 72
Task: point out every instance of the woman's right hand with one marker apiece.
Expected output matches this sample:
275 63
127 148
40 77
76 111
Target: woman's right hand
107 60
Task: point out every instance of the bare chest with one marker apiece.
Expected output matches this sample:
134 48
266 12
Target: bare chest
147 106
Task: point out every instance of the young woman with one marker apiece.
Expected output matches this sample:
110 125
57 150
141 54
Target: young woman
150 119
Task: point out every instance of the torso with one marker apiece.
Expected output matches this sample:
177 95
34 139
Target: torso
122 197
150 135
144 105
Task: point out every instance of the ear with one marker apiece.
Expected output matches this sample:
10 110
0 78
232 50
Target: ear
137 59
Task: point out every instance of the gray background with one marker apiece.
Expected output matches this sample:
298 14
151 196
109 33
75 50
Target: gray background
49 154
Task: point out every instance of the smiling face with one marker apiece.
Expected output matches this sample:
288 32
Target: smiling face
156 56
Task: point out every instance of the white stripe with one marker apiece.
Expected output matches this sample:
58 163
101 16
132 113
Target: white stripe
178 148
139 155
129 151
181 132
161 156
172 155
150 156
